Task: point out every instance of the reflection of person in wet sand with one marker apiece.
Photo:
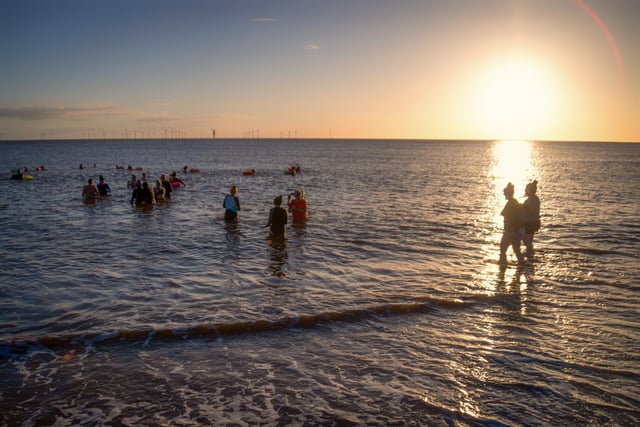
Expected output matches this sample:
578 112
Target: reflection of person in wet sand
530 216
512 213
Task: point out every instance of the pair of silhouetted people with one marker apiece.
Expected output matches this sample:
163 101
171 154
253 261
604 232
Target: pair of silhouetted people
521 222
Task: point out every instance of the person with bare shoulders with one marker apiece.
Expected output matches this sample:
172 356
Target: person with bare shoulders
158 190
90 192
512 214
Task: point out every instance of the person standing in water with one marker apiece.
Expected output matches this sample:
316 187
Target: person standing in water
231 205
512 214
298 206
158 190
530 216
146 196
103 187
167 186
133 182
90 192
277 220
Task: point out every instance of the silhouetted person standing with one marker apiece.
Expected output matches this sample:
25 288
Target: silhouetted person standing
512 214
530 216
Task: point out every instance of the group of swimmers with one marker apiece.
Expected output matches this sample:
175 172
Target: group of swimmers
521 222
142 194
278 216
24 173
18 175
293 169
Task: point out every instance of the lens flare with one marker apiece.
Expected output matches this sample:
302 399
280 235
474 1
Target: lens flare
607 34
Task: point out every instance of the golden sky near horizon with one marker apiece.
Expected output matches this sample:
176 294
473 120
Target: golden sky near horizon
458 69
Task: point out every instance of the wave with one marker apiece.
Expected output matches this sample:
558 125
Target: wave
587 251
12 348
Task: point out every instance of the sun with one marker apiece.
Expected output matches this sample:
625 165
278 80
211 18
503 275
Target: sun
514 99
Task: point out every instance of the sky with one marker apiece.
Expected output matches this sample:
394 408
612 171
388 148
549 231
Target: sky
397 69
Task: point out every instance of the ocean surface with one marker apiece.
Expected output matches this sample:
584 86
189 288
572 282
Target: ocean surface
387 308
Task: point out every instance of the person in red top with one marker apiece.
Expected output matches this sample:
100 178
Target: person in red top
298 206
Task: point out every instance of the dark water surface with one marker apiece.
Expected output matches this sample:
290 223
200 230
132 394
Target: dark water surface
387 308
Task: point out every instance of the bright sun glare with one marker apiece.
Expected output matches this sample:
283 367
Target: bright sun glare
515 100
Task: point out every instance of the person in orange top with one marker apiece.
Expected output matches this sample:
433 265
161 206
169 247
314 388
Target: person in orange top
298 206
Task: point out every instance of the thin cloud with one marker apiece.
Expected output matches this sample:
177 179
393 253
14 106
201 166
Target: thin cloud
312 46
157 119
159 104
49 113
264 20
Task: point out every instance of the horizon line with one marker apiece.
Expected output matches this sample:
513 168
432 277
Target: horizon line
315 139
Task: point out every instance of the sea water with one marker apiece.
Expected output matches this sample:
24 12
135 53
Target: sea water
387 308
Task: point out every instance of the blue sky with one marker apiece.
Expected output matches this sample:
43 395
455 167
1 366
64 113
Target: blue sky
469 69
